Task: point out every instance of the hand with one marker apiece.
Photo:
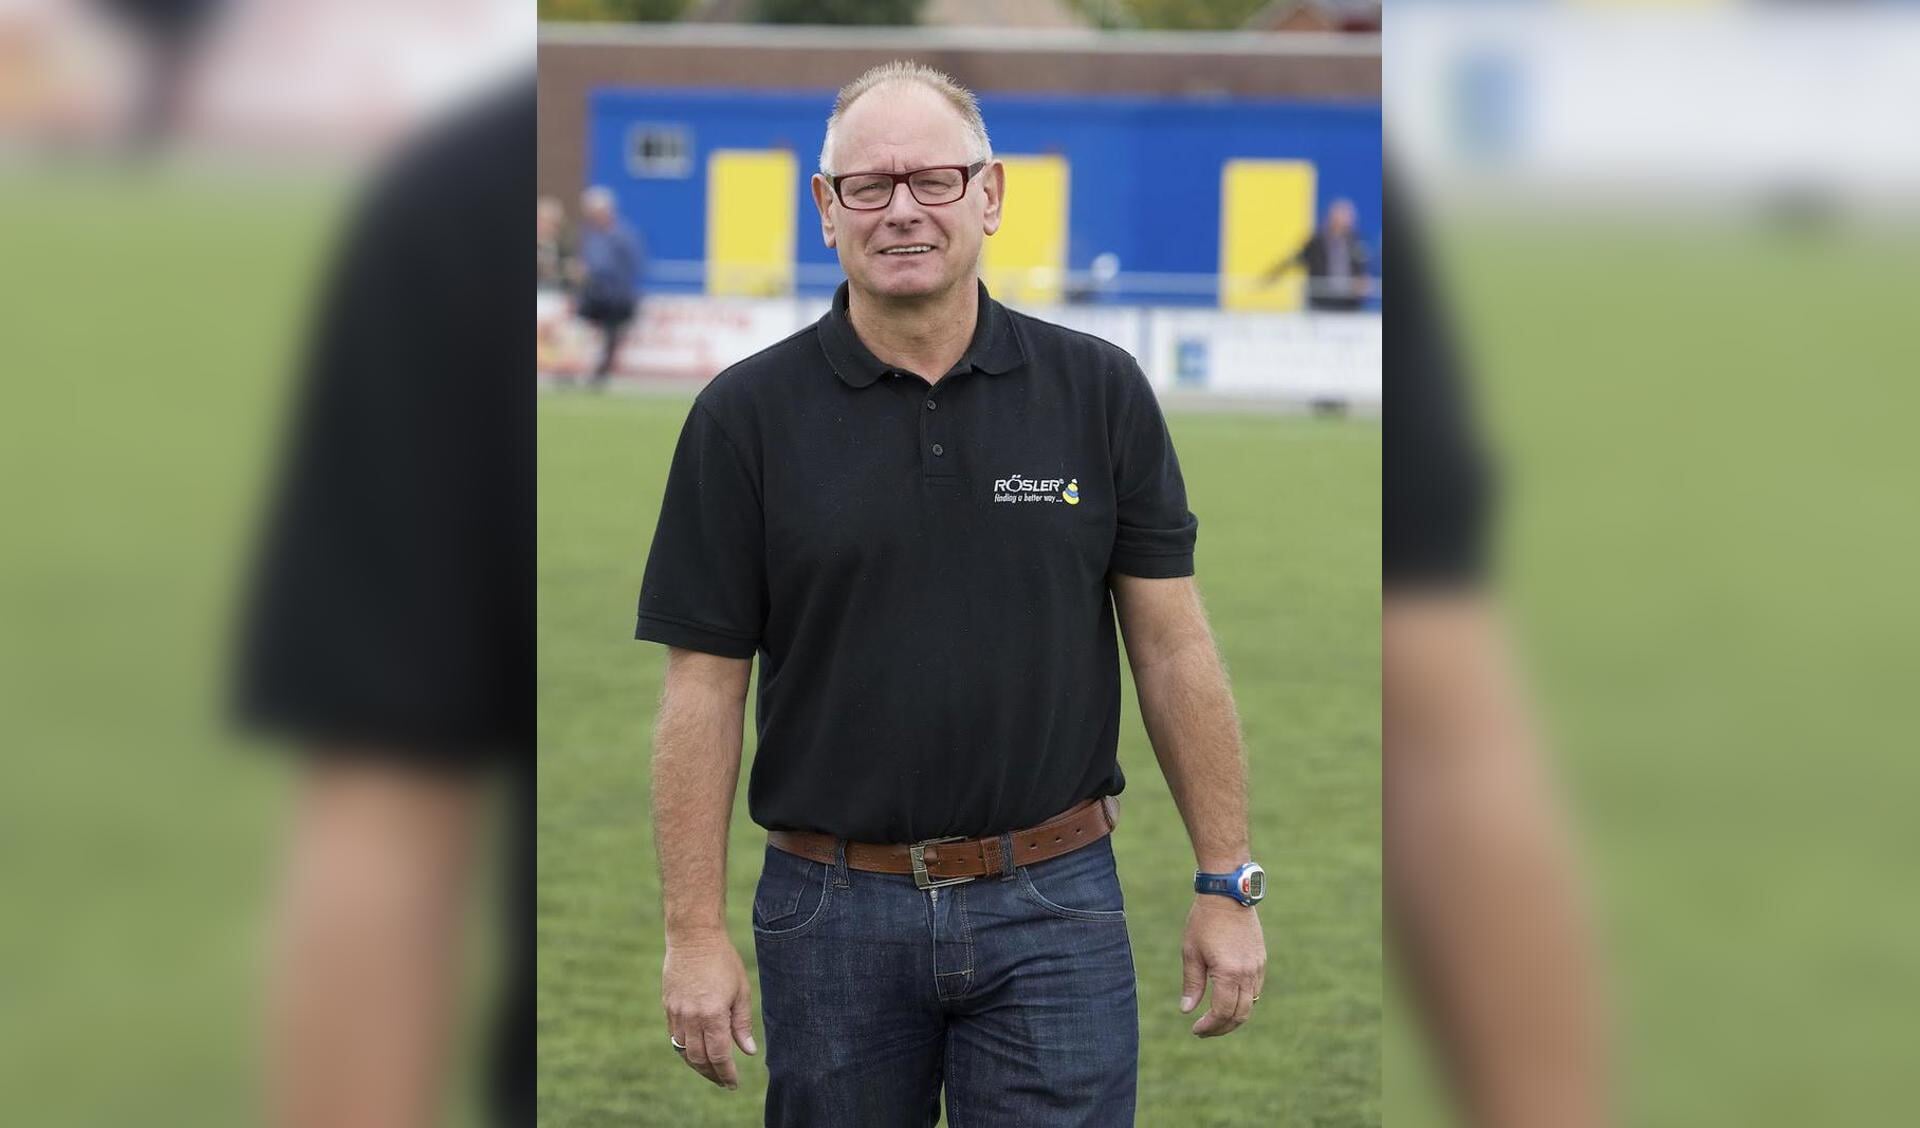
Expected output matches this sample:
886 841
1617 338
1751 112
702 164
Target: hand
1224 945
704 987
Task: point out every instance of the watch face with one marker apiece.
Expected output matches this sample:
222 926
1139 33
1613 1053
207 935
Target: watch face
1253 884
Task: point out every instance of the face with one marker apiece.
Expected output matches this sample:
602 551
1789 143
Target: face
596 211
1340 218
546 218
896 128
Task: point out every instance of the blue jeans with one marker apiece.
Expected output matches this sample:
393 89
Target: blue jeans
1015 992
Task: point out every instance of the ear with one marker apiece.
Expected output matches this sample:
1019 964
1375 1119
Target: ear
823 199
993 182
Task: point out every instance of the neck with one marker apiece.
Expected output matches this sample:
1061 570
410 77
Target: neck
926 336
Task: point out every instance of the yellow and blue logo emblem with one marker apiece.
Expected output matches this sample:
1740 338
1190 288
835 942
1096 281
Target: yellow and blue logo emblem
1071 495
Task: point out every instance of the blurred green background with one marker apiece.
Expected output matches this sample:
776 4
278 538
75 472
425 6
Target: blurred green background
1288 565
152 323
155 320
1708 557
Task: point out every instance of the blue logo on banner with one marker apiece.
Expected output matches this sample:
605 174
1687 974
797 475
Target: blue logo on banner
1190 362
1488 98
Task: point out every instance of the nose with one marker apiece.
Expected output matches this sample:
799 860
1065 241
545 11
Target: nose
903 209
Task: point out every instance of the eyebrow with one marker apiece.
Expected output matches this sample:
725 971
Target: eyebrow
911 168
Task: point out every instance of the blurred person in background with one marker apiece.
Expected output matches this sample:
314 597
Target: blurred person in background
553 250
1483 900
390 637
553 266
608 270
1098 281
170 33
819 491
1336 260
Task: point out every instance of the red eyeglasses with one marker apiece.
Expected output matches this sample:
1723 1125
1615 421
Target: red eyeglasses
871 191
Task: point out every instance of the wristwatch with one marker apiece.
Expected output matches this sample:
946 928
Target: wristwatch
1247 885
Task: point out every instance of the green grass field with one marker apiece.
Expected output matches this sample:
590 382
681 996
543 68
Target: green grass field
152 327
1288 564
1705 428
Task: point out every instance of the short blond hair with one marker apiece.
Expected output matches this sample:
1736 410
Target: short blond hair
903 70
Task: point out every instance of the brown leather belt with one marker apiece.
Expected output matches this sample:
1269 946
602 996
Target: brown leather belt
950 861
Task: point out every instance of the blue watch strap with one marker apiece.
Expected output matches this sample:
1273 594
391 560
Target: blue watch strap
1223 883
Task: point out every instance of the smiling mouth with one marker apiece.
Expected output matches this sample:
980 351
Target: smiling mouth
915 249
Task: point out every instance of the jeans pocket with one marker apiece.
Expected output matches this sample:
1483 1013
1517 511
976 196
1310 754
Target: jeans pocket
791 895
1082 884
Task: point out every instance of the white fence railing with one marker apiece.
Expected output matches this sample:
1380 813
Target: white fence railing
1131 287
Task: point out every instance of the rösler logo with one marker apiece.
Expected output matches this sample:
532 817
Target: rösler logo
1017 489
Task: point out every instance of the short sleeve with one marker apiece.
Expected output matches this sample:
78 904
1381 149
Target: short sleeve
391 601
1437 486
705 583
1155 532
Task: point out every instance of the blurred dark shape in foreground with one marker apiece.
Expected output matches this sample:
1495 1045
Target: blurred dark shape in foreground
390 634
1481 891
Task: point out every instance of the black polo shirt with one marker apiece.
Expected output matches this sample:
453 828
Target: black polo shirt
922 570
1437 484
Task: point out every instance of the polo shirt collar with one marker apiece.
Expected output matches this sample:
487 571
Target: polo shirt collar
995 347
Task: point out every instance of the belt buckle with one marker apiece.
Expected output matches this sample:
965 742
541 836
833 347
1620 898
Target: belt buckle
917 853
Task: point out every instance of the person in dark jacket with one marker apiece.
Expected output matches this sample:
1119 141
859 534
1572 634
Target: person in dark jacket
1337 262
170 34
609 271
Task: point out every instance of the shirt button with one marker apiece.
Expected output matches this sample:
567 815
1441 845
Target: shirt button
938 449
931 405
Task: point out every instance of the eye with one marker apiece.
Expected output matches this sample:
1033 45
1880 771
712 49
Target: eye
938 184
866 189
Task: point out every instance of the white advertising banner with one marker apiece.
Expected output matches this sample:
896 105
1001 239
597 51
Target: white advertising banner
688 337
1308 357
1304 358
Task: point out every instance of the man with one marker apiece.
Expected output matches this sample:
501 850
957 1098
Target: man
171 33
609 269
1336 261
552 252
553 260
922 513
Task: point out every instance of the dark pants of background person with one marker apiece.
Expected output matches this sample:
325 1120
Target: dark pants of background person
1016 992
610 316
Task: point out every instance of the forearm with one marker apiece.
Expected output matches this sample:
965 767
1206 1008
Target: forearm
1190 718
361 989
696 769
1482 888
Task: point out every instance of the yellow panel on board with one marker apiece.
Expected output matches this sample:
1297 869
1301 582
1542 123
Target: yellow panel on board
1026 260
1266 214
750 221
